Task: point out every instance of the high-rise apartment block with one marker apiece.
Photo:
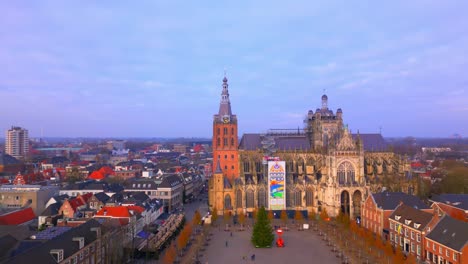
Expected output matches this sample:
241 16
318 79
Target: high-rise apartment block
17 142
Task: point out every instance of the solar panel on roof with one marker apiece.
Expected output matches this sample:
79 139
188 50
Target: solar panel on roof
52 232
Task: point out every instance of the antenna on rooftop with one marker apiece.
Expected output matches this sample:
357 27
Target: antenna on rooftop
380 130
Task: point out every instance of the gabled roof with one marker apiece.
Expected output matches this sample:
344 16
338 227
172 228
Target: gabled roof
75 203
107 171
450 232
86 196
61 198
7 243
170 181
455 200
253 141
250 141
136 197
17 217
97 175
52 209
6 159
372 142
410 216
292 143
390 200
102 197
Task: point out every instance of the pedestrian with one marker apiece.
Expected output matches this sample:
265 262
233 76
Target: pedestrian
226 243
231 234
253 257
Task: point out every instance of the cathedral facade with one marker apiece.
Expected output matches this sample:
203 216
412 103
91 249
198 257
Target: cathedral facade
327 166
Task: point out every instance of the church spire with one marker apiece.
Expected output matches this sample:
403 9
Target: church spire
225 105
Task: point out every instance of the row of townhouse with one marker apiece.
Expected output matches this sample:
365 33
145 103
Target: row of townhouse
433 233
171 189
428 237
88 243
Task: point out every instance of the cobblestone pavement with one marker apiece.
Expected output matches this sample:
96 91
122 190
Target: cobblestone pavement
300 247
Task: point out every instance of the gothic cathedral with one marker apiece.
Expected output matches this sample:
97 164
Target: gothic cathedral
327 166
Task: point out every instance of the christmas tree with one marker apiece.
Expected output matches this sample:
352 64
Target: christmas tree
262 235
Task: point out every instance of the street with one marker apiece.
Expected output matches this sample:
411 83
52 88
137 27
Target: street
201 206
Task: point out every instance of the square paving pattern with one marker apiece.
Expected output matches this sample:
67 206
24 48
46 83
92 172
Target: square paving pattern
300 247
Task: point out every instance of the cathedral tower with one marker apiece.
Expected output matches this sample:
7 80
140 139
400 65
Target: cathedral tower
225 140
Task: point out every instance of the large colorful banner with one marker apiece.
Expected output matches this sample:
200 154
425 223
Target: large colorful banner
277 185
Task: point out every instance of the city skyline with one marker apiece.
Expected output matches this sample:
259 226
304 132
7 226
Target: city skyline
156 69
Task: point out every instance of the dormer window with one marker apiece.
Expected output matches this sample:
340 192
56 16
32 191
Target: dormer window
416 225
397 217
407 221
57 254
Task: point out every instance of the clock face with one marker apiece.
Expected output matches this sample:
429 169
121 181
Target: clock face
226 119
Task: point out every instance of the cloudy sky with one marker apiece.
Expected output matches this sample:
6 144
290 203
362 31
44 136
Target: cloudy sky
154 68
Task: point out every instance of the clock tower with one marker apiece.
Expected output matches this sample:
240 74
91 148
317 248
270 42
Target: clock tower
225 140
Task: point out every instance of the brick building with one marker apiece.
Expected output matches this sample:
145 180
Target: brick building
447 242
379 206
408 227
455 205
225 138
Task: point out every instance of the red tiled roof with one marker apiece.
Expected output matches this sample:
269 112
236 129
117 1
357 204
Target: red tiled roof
416 165
17 217
454 212
136 208
107 171
75 203
96 175
86 196
114 211
81 162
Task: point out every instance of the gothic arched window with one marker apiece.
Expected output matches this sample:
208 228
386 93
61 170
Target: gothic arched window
227 202
290 166
297 198
258 166
346 173
309 197
246 166
250 199
289 198
262 201
239 199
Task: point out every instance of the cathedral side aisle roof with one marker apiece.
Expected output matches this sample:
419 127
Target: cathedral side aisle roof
253 141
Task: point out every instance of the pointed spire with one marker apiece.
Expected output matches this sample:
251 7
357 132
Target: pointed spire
225 105
218 168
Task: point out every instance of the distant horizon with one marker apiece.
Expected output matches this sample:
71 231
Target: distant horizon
205 138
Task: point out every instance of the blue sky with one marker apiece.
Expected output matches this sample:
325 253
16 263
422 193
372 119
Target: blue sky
154 68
